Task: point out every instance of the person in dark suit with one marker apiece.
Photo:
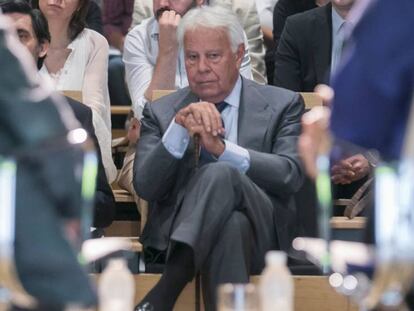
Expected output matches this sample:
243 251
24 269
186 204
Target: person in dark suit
309 51
222 218
310 46
285 8
47 189
33 32
282 10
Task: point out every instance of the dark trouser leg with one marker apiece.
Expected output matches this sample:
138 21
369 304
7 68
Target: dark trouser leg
211 196
229 260
179 270
228 222
118 91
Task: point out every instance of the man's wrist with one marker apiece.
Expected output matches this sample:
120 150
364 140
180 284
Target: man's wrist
221 147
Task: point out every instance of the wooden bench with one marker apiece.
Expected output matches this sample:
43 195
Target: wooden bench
122 196
120 110
347 224
126 227
347 229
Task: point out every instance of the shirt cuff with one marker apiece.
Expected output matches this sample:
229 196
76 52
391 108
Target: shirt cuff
139 106
236 156
176 139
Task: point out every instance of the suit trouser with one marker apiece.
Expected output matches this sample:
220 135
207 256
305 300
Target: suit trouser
228 222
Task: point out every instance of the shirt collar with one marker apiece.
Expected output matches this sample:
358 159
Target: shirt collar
234 97
337 21
73 45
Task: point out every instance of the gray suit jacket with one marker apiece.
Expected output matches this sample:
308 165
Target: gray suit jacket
269 125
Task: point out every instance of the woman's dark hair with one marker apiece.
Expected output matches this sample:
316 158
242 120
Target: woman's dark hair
78 21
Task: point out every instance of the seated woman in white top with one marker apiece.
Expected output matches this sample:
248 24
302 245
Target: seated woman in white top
77 60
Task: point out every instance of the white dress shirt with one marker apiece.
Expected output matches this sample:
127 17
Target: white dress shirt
176 138
265 10
86 70
140 56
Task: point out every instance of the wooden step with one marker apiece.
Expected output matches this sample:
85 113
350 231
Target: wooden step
346 223
312 293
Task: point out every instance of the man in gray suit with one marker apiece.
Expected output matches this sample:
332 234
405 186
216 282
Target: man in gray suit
222 218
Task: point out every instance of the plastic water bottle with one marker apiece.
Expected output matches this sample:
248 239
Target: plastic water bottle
116 287
276 284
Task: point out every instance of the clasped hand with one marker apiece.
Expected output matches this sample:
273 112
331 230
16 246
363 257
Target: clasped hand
203 119
350 170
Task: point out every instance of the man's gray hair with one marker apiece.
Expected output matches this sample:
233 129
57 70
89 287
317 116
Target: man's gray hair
212 17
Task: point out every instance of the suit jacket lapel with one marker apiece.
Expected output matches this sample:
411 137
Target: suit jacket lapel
323 43
253 117
188 98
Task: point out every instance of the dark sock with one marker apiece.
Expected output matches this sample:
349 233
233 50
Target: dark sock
179 270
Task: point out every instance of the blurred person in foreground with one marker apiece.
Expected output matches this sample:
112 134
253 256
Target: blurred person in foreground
374 88
222 218
375 83
34 129
33 32
376 80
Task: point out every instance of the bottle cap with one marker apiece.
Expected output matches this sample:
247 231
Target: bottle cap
276 258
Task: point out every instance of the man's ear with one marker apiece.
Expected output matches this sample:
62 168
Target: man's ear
240 54
43 48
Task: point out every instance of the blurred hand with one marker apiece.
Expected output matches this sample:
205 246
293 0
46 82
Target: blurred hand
72 231
134 130
314 132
